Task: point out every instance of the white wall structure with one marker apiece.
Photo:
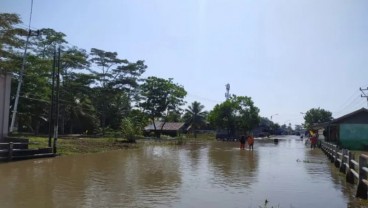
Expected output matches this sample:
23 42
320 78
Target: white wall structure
5 81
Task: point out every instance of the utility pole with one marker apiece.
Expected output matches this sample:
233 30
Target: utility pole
56 125
51 113
364 94
55 101
274 115
21 73
30 33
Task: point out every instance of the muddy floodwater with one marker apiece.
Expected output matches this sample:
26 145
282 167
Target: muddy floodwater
202 174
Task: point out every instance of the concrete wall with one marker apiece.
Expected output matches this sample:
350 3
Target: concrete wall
5 81
354 136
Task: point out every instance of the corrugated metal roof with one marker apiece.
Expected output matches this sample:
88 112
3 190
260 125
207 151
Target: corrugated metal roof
168 126
337 120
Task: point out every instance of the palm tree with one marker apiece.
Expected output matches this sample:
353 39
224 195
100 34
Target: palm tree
195 116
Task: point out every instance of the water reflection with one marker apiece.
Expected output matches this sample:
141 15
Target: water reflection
232 167
213 174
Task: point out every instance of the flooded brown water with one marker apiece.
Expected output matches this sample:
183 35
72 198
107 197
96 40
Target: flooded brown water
213 174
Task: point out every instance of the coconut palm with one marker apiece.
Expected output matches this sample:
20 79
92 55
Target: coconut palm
195 116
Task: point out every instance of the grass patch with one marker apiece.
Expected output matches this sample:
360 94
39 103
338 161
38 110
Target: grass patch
70 146
82 145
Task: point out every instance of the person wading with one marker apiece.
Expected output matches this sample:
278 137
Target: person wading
250 141
242 142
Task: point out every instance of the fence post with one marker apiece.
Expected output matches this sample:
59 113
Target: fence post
362 187
10 151
343 159
331 153
324 148
337 163
349 175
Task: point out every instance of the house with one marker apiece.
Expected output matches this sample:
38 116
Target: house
349 131
167 128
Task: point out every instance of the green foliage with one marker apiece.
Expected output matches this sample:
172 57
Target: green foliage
139 120
195 115
11 38
116 81
173 116
160 97
129 130
235 114
316 115
44 44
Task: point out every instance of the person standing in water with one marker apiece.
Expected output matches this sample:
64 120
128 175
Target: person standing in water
242 142
250 142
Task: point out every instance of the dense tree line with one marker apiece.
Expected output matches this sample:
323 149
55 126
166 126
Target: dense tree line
101 92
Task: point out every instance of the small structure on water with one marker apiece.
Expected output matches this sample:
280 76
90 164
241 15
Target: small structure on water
349 131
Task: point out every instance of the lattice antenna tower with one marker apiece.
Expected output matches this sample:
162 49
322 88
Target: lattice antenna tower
227 94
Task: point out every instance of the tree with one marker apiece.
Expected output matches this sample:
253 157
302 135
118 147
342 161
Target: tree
139 120
47 40
248 113
275 128
316 115
173 116
265 124
10 39
160 97
235 114
116 81
223 116
75 93
195 115
36 90
34 105
77 111
128 130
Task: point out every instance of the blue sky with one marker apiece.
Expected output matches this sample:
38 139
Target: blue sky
289 56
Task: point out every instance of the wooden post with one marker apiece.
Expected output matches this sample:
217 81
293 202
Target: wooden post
343 159
349 175
362 187
55 146
10 151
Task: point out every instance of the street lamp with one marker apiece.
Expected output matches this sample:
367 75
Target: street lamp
274 115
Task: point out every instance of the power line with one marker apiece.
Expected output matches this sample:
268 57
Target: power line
348 106
346 102
363 93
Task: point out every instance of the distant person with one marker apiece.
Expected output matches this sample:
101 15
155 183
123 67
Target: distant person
314 141
250 141
242 142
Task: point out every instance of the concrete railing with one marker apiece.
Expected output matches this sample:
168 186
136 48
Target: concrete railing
355 171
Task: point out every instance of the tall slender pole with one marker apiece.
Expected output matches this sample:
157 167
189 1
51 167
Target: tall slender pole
51 113
19 85
21 72
56 125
